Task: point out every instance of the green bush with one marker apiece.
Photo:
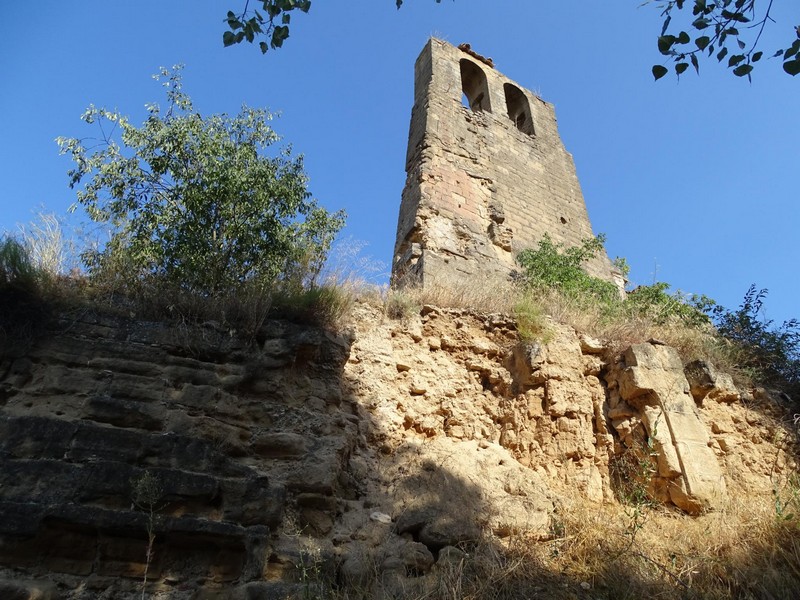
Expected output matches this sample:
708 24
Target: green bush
23 287
660 306
754 345
196 201
771 353
554 266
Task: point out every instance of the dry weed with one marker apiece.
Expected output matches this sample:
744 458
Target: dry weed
622 328
51 247
487 296
742 551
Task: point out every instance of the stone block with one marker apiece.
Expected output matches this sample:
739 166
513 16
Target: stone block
651 380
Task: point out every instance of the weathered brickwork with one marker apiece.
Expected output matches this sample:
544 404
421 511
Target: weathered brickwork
483 182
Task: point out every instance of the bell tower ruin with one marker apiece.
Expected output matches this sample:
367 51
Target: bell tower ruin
487 175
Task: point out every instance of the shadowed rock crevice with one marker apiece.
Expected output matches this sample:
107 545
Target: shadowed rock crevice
239 441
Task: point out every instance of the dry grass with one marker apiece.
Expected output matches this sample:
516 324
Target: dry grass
51 247
487 295
740 552
619 552
350 274
623 328
618 328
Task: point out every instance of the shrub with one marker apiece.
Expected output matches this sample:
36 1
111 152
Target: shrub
771 352
553 265
196 201
657 304
401 304
17 271
324 305
22 290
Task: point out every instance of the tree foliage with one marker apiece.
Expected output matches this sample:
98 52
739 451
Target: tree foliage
728 30
270 23
196 200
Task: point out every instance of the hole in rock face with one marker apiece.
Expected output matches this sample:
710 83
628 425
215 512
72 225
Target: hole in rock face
563 221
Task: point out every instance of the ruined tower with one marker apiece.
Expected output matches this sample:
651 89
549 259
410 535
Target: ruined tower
488 175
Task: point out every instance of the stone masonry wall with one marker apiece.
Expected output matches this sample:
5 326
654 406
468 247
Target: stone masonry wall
480 188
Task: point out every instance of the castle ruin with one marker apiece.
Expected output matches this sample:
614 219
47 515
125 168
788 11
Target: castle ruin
487 175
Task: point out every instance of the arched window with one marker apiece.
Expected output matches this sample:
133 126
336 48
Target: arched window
474 86
519 111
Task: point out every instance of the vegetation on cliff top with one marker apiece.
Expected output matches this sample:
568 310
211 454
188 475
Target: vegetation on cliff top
740 340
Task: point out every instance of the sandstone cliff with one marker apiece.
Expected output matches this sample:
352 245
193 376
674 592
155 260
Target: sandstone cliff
368 460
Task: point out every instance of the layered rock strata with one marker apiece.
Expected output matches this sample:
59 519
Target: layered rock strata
370 458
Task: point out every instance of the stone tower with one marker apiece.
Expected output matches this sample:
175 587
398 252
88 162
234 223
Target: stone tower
488 175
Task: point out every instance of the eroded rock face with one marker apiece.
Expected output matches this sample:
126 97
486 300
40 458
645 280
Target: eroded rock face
648 386
372 458
707 383
236 439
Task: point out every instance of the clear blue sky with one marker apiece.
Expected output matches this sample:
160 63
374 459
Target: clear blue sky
693 181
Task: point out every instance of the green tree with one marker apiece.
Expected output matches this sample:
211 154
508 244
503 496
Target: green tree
725 29
196 200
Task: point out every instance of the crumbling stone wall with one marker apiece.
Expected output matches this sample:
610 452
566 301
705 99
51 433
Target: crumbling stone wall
486 178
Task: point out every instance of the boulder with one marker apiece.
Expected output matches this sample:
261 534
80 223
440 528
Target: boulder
650 378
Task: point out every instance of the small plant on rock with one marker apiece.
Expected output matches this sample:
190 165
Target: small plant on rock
400 305
146 494
532 323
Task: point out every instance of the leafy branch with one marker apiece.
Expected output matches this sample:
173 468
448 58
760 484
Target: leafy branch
770 351
729 30
273 23
725 29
